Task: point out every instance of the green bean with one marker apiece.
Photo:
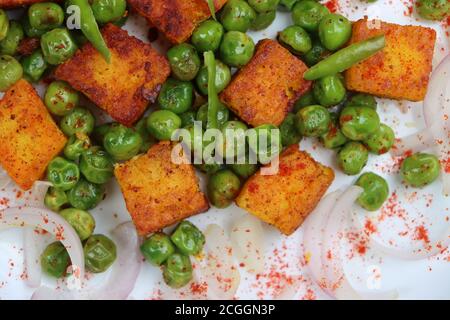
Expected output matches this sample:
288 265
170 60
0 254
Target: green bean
213 99
212 9
345 58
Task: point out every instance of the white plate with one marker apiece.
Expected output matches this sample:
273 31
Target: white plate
426 279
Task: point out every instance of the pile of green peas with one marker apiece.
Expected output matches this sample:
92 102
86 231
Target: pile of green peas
172 252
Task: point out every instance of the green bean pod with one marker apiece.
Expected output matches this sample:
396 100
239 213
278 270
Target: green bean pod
213 98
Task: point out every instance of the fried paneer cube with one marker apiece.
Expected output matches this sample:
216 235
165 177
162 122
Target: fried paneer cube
19 3
285 199
176 19
402 69
157 191
29 138
265 90
125 86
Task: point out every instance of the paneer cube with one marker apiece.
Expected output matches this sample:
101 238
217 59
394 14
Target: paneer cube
157 191
176 19
285 199
124 87
29 138
402 69
265 90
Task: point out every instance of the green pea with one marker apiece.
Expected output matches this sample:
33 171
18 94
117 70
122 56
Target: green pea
288 131
223 78
362 100
207 36
264 5
34 66
334 31
308 14
184 61
162 124
10 72
99 253
45 15
358 123
122 143
80 220
58 46
210 168
376 191
234 133
62 173
381 141
244 170
330 90
60 98
334 138
12 40
288 4
55 260
316 54
4 24
263 20
100 131
313 121
433 9
147 139
352 158
222 115
420 169
305 100
96 165
30 31
78 120
187 118
296 39
236 49
177 271
237 15
267 143
55 199
86 195
188 239
176 96
76 145
223 187
108 10
157 248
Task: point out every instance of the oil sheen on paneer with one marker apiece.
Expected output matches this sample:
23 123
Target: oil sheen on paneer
125 87
157 191
284 200
264 90
29 138
402 69
18 3
176 19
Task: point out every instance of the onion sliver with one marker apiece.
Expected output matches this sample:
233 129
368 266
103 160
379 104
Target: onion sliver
414 143
247 237
4 178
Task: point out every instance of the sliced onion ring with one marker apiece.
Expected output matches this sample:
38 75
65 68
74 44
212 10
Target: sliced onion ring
4 178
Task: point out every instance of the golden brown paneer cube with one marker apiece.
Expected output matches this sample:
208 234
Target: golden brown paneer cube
124 87
285 199
265 90
402 69
157 191
29 138
18 3
176 19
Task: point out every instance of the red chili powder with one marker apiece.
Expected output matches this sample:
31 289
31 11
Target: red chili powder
422 234
332 5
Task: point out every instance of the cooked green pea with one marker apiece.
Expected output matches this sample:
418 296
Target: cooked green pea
188 238
223 187
10 72
187 118
420 169
60 98
362 100
58 46
305 100
334 138
236 49
376 191
99 253
433 9
176 96
223 78
352 158
162 124
267 143
11 42
4 24
207 36
45 15
264 5
184 61
334 31
288 131
177 271
55 260
244 170
82 221
313 121
100 131
96 165
78 120
296 39
108 10
122 143
86 195
29 30
34 66
288 4
330 90
263 20
210 168
237 15
222 115
55 199
316 54
157 248
381 141
76 145
308 14
62 173
358 123
147 139
234 140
